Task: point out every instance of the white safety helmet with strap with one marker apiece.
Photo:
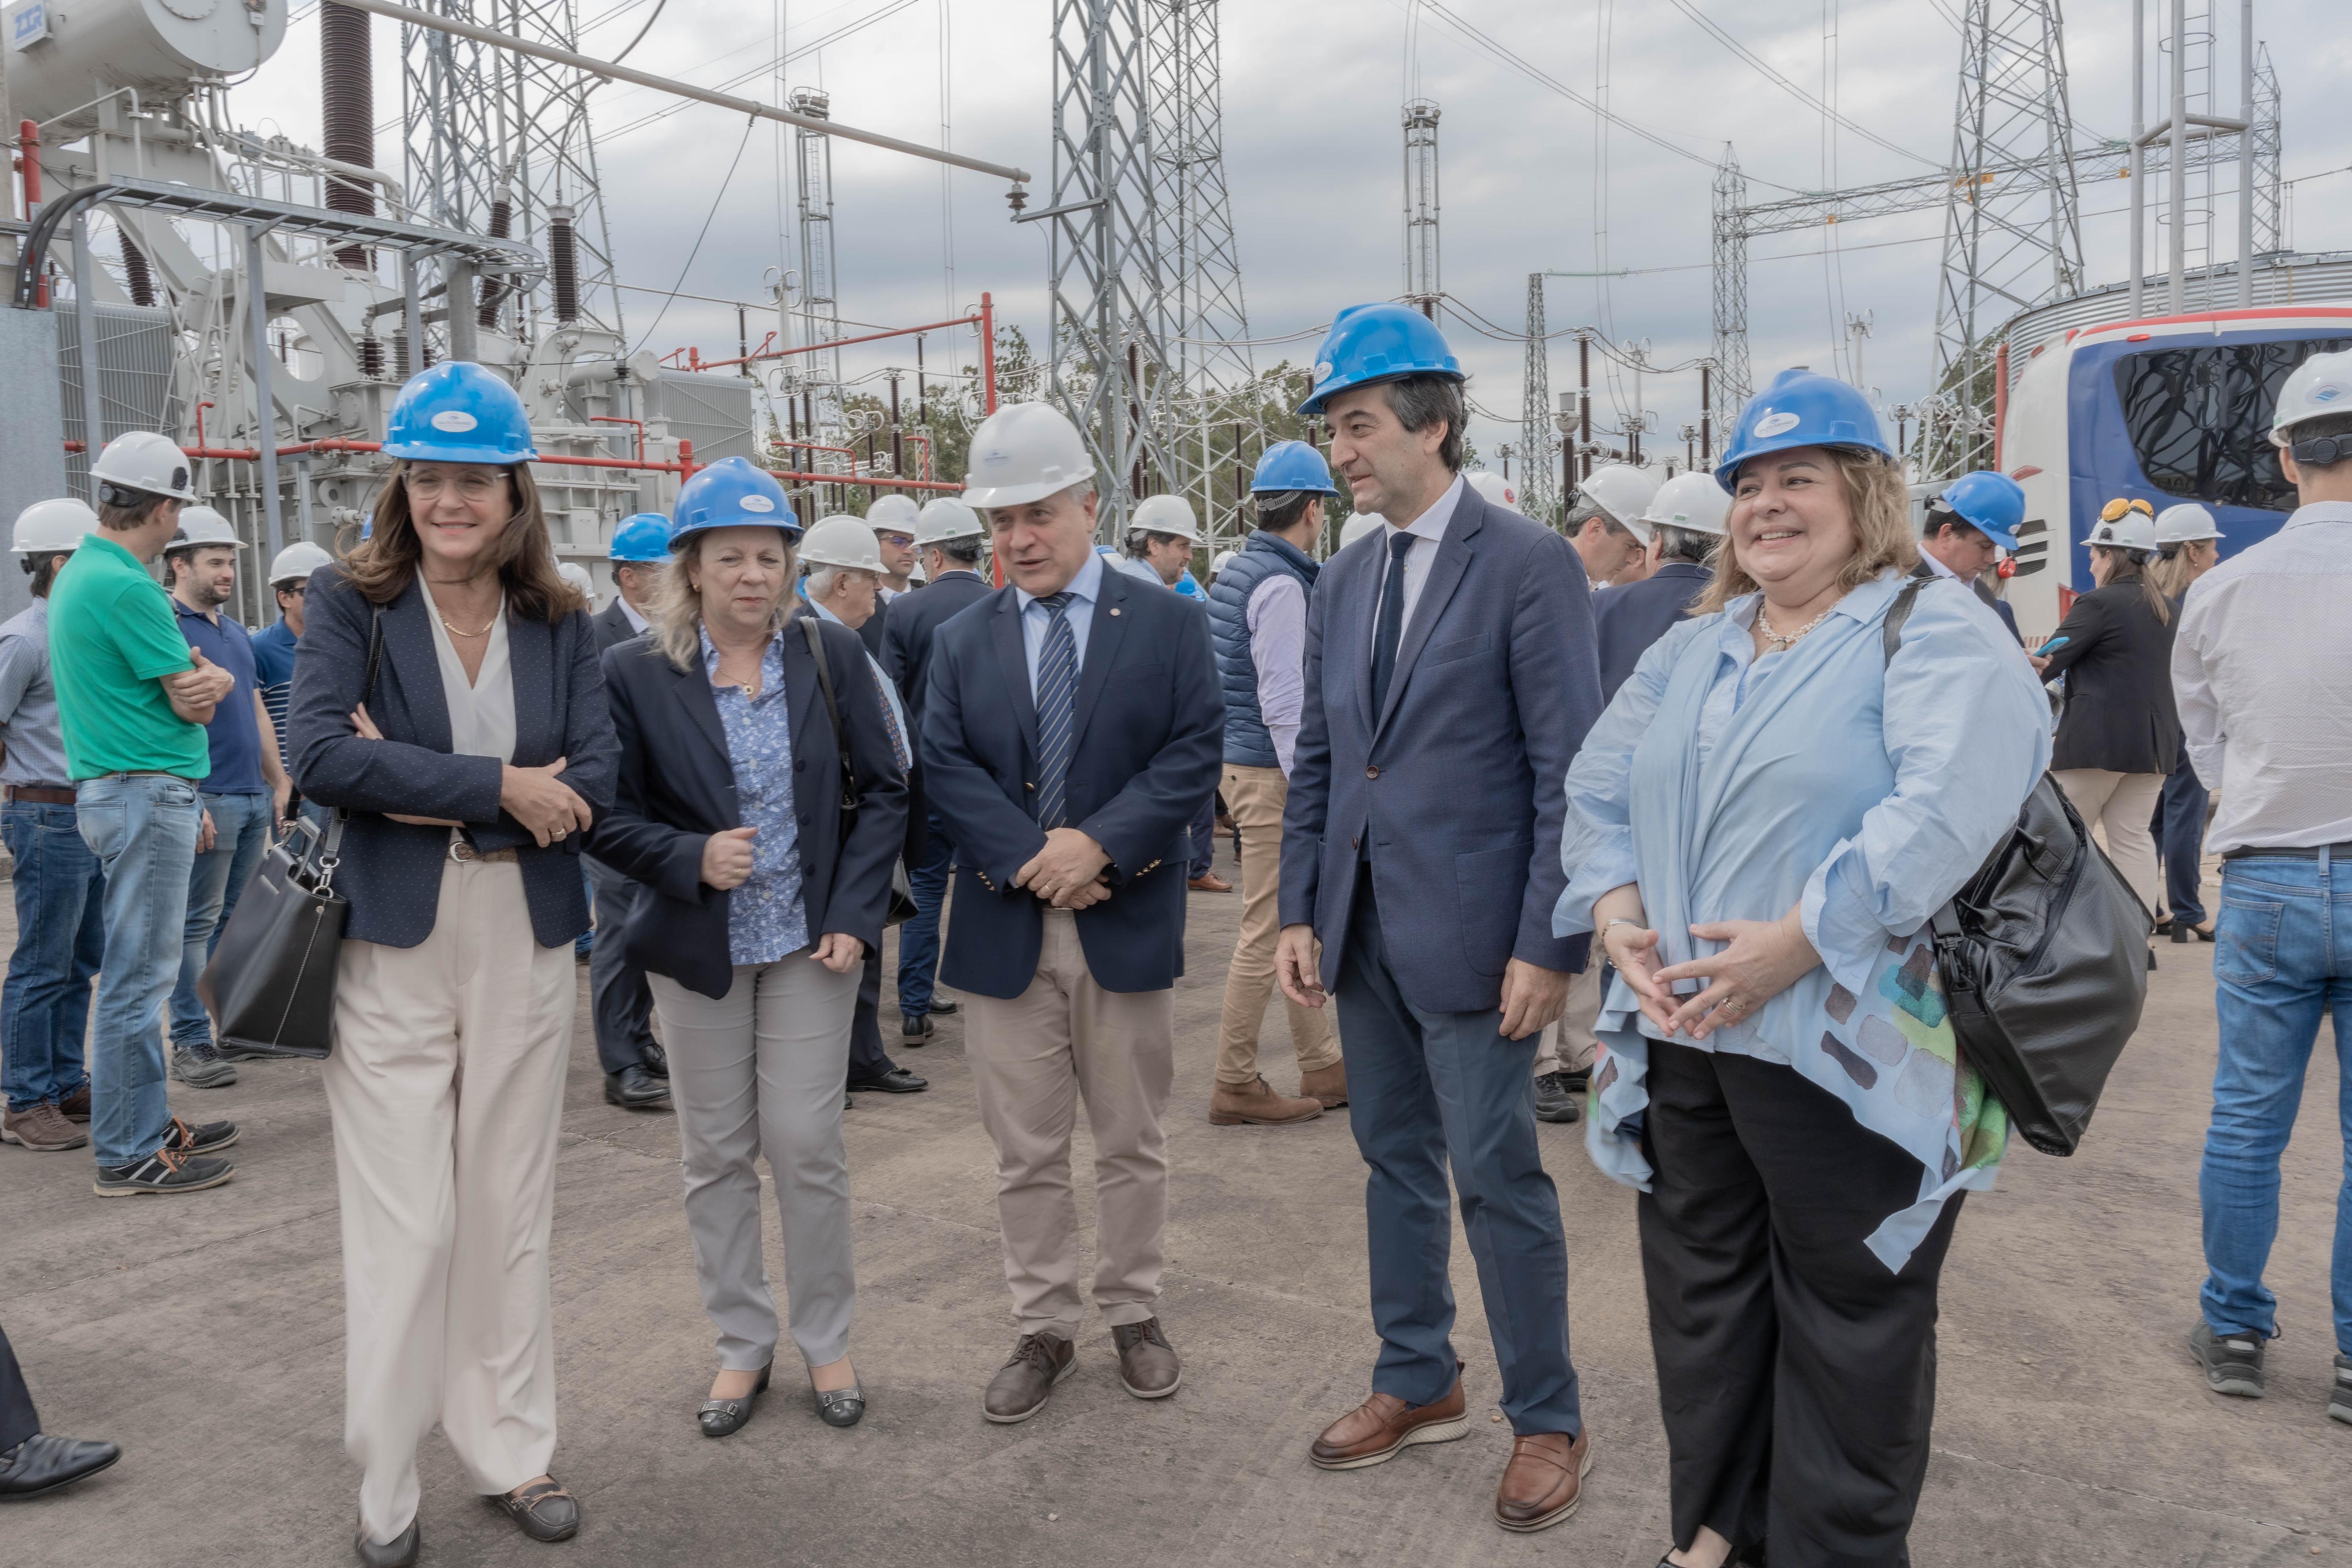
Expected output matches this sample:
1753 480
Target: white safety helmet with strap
145 461
1496 489
2320 386
1360 525
1024 452
947 519
53 528
1170 515
295 562
199 526
895 513
2185 524
1623 494
841 540
1693 501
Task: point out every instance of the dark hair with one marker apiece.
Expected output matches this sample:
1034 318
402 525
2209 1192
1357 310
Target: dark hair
1282 509
1418 400
1684 544
2130 565
2335 425
179 550
964 551
120 510
43 566
385 562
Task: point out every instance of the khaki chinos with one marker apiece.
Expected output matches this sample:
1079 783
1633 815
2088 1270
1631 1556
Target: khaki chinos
1256 795
1568 1044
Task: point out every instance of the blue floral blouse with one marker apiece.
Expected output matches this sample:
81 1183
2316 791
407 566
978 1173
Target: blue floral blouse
766 918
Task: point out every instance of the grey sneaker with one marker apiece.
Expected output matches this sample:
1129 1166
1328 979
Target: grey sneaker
162 1172
2339 1403
2232 1363
196 1064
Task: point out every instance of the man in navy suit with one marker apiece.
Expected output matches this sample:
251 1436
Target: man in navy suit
1450 679
1071 729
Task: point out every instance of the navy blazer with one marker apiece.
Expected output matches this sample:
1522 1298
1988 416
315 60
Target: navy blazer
1628 620
1458 784
1145 753
676 787
912 620
612 626
390 871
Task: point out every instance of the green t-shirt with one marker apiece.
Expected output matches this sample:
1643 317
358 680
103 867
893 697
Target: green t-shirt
112 638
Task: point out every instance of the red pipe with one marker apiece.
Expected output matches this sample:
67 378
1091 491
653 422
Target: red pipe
865 479
28 143
684 467
812 446
621 419
684 460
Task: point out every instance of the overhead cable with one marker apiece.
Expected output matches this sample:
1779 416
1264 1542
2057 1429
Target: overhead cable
1764 69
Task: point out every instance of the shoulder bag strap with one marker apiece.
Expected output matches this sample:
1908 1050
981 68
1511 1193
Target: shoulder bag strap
833 713
1900 611
331 844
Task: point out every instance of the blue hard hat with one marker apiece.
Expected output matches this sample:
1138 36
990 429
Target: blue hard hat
642 537
732 493
1377 343
458 411
1801 409
1292 465
1992 503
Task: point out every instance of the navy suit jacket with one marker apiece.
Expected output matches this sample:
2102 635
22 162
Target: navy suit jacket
1628 620
1458 784
390 871
1145 754
911 622
612 624
676 787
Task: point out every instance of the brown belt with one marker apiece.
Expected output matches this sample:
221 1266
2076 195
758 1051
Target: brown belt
41 794
465 854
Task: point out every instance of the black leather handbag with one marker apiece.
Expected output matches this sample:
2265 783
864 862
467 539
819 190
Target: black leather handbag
902 893
270 985
2043 955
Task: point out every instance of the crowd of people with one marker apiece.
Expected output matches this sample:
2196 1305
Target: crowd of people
1637 823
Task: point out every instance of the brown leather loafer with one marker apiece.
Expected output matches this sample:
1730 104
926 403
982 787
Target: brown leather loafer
1544 1482
1255 1105
1148 1367
1026 1380
1385 1425
542 1510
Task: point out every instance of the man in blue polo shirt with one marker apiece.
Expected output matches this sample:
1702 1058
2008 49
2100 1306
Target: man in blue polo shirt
244 796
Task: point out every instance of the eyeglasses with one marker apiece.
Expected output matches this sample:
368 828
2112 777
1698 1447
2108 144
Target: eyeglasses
476 483
296 589
2114 511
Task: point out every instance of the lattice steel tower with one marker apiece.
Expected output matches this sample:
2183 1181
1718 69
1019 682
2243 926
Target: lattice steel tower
1421 286
820 298
1538 442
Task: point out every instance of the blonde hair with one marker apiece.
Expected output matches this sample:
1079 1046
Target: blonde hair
2136 566
677 608
2175 566
1881 514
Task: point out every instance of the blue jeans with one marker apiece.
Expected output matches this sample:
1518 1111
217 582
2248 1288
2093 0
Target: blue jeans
918 937
2282 961
241 825
142 829
60 939
2180 829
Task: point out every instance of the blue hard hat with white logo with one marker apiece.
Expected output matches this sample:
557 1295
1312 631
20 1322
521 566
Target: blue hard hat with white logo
1369 343
1292 465
642 537
732 493
1801 409
1992 503
458 411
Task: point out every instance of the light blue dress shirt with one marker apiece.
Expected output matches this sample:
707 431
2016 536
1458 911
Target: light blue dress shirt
883 684
766 918
1084 589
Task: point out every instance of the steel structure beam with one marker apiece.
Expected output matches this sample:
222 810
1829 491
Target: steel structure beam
1538 489
1735 222
1422 286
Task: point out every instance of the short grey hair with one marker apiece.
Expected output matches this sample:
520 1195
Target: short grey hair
822 578
1417 400
1584 512
1684 544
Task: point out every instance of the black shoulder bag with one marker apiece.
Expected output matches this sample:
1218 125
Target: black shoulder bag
2043 955
902 895
270 985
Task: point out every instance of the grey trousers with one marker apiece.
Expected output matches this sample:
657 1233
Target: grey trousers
760 1071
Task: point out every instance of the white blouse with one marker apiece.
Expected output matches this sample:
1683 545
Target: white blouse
482 711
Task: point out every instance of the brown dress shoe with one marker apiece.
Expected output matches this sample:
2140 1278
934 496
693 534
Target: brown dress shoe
1022 1385
76 1106
1328 1085
1385 1425
1148 1367
1209 881
1544 1482
43 1129
1255 1105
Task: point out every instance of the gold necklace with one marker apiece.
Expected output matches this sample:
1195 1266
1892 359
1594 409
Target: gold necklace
455 633
1780 640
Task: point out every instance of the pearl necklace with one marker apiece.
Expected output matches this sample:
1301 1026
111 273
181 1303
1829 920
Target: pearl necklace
1782 641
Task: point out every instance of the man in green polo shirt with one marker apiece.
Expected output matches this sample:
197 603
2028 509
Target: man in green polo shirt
133 701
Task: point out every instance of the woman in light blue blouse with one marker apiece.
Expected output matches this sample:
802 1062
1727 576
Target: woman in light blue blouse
1759 829
765 840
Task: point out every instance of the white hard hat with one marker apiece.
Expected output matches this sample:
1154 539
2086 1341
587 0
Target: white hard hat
1624 492
573 572
1496 489
842 540
297 562
2319 386
916 575
1170 515
946 519
1693 501
1024 452
51 528
201 526
142 460
1360 525
2185 524
897 514
1223 558
2134 530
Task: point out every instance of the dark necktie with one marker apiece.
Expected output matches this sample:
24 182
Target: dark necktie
1058 695
1390 629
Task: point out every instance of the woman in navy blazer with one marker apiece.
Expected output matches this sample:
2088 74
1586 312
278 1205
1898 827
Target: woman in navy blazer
465 774
763 895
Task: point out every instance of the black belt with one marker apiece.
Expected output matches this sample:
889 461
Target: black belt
2296 852
42 794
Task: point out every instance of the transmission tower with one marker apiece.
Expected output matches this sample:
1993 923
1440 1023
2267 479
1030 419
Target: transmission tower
1732 229
2012 228
1422 287
819 302
496 140
1538 489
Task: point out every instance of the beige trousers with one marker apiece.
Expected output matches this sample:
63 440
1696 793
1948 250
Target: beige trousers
1568 1045
1256 795
447 1089
1032 1059
2122 805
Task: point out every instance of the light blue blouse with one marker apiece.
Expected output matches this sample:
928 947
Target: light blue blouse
1730 788
767 919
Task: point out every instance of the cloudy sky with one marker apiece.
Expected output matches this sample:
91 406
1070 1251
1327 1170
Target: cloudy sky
1313 155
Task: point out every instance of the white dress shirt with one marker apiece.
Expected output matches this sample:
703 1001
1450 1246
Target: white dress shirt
2261 670
899 744
1428 530
1083 589
637 622
482 711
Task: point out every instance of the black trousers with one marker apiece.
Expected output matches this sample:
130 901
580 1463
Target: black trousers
1796 1376
18 1419
866 1056
618 998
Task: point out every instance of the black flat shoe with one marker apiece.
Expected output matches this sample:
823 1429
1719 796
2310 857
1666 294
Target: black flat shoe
635 1089
840 1406
540 1510
915 1031
725 1417
400 1551
656 1060
42 1463
898 1081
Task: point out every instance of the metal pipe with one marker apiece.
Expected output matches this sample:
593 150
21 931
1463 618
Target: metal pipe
612 71
2246 155
988 353
28 152
699 363
2179 171
458 280
2139 155
93 413
411 317
257 311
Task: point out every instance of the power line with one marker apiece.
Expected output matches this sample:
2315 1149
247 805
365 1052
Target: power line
1764 69
715 203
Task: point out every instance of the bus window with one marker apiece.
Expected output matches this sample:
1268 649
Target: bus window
2200 418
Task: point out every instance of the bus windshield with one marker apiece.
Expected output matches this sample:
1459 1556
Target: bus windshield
2200 418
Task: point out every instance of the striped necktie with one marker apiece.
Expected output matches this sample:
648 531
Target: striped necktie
1057 693
898 747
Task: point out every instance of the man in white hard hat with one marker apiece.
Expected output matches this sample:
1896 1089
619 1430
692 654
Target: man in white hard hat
1606 525
896 521
1162 535
2188 546
1071 730
273 645
60 892
245 794
952 538
2258 667
133 699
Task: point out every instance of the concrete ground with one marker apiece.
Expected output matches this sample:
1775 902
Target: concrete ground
205 1334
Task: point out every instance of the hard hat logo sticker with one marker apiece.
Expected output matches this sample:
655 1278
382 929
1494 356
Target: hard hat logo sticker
996 457
2325 394
454 421
757 503
1322 370
1773 424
